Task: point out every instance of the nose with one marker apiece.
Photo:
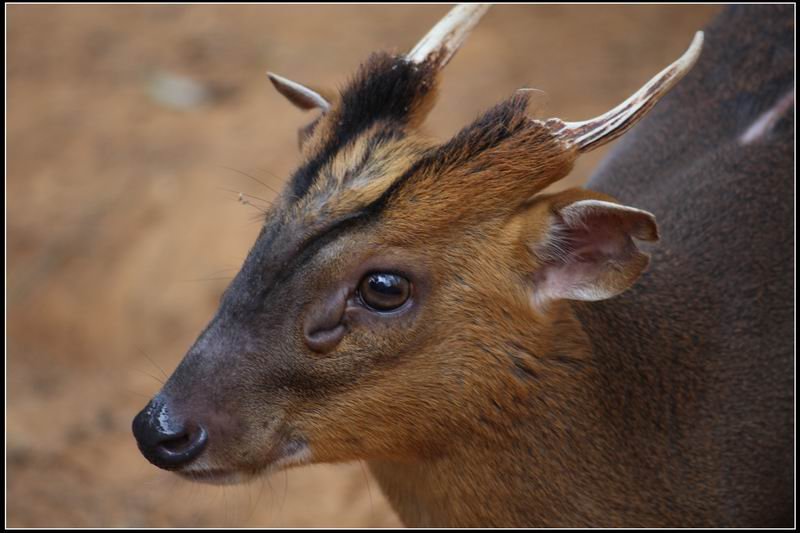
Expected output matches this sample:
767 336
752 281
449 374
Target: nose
165 442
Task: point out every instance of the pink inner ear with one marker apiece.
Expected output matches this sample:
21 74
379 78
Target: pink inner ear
592 238
588 249
603 240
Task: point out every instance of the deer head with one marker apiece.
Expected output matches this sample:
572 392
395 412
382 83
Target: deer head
370 317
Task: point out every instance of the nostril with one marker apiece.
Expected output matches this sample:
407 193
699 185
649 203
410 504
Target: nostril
184 446
178 444
178 449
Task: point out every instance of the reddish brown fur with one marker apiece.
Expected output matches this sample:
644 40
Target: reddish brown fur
477 407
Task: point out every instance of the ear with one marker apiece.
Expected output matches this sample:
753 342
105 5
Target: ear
583 246
301 96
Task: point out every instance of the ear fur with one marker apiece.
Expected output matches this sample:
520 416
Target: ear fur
582 246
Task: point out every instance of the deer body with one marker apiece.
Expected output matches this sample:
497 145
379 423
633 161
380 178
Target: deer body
706 367
680 377
490 350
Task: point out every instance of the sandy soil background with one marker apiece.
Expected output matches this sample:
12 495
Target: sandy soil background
121 124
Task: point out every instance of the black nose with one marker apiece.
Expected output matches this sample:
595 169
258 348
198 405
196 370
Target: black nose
165 442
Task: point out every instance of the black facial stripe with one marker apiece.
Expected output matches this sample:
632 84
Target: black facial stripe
385 88
308 248
312 245
490 129
500 123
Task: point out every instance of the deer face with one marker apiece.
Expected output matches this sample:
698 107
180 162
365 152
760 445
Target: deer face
396 278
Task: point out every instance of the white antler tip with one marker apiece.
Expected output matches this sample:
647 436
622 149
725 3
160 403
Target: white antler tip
445 38
691 55
298 94
589 134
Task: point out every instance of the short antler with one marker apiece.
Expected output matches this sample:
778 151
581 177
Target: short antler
590 134
444 39
299 95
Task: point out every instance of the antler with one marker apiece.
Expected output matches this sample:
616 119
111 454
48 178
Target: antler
590 134
444 39
298 94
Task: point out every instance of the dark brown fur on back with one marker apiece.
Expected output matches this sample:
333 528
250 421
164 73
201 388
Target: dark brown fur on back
696 360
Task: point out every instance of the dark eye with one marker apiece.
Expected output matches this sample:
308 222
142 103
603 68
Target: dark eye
384 292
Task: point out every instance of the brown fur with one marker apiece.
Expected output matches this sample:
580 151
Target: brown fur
475 406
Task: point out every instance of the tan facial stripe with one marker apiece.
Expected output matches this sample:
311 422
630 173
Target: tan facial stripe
361 172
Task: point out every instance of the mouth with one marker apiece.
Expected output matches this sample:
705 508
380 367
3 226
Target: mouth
214 476
293 453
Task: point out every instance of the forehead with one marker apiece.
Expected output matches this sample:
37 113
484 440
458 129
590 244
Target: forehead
367 161
355 178
350 187
385 95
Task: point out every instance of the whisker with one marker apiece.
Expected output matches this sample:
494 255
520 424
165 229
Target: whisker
252 178
270 173
243 201
136 393
369 491
285 488
225 504
268 202
213 275
141 351
147 374
280 180
271 499
229 269
258 500
257 218
250 508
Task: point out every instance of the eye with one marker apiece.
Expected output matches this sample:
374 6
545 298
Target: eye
382 291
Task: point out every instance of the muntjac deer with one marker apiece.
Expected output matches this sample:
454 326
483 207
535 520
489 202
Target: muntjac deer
504 357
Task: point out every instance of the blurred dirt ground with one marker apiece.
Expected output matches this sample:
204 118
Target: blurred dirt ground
122 125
